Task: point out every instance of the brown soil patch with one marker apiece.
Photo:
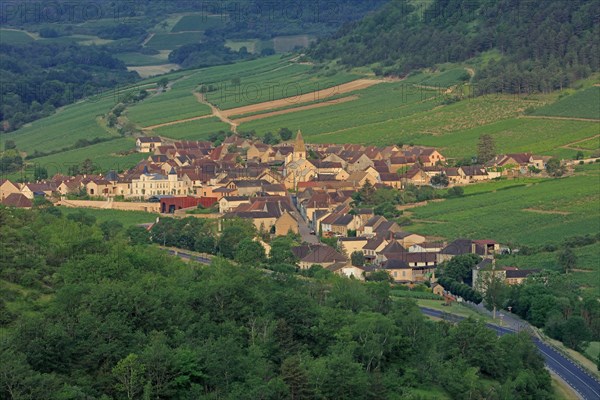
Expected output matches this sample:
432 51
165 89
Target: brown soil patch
358 84
292 110
533 210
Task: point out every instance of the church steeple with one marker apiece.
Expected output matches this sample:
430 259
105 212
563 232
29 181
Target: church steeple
299 147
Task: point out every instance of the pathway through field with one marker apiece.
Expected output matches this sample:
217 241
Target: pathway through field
570 145
225 115
560 118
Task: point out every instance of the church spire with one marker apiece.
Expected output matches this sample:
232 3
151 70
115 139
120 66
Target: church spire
299 147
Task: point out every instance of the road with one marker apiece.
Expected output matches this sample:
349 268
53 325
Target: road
585 385
186 256
303 227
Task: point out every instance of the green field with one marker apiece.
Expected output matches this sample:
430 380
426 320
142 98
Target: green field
581 104
139 59
447 78
193 130
591 144
198 23
170 41
168 106
127 218
562 208
253 46
14 37
104 155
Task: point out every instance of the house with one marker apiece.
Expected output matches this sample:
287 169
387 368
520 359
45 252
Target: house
416 176
154 184
438 289
370 227
474 173
7 188
482 248
16 200
407 239
285 224
348 270
322 255
31 190
345 223
399 270
351 244
425 247
486 272
147 144
297 171
391 179
229 203
359 162
99 187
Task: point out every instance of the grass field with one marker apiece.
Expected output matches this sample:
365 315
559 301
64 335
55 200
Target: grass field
198 23
64 128
581 104
127 218
167 107
193 130
591 144
8 36
447 78
104 155
537 213
252 45
170 41
139 59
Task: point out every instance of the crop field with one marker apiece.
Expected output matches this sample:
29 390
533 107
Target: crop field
537 213
9 36
590 144
104 155
64 128
447 78
539 136
587 271
170 41
193 130
282 44
581 104
287 80
198 23
139 59
166 107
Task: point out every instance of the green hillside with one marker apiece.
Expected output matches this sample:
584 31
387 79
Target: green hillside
528 213
581 104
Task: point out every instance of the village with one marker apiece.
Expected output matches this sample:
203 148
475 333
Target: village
296 188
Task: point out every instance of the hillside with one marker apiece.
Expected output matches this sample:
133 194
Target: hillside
541 46
85 313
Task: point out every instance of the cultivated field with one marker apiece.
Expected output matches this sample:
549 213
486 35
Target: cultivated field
569 207
193 130
198 23
10 36
581 104
170 41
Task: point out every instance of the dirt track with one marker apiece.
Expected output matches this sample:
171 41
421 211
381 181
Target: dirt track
295 109
304 98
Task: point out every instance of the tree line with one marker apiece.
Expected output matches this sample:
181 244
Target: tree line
541 46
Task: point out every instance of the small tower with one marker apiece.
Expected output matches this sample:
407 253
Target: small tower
299 148
172 175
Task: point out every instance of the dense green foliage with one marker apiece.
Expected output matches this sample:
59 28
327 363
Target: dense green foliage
542 46
36 79
118 321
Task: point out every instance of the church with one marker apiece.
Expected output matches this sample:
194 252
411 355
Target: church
299 169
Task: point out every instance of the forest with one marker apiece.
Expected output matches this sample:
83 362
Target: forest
91 311
539 46
35 79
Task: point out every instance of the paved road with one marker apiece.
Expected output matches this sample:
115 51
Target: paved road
304 229
585 385
186 256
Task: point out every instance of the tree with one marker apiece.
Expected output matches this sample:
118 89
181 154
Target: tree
575 332
567 260
555 168
486 149
440 180
250 252
10 145
163 83
285 134
129 373
459 268
358 258
295 377
456 191
281 251
579 155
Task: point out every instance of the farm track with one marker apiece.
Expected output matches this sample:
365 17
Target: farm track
559 118
224 115
533 210
570 145
295 109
